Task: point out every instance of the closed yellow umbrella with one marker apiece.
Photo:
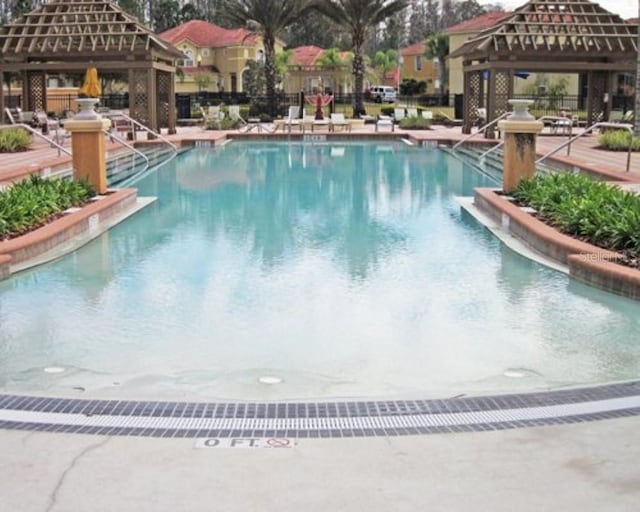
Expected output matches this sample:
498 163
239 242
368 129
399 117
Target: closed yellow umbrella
91 87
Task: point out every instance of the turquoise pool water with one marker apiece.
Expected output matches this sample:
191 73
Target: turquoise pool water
291 270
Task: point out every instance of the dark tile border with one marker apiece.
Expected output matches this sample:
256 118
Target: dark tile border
320 419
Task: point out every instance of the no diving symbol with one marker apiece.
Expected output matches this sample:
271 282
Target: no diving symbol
275 442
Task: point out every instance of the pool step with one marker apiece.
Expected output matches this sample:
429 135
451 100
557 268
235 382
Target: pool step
126 165
491 164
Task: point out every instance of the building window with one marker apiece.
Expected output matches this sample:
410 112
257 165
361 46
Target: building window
418 62
188 61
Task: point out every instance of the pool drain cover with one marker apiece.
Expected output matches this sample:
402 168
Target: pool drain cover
54 369
269 379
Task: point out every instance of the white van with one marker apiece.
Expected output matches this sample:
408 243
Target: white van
383 94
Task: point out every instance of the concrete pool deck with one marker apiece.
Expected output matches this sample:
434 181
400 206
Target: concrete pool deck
586 466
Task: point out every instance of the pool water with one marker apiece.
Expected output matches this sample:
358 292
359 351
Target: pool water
299 271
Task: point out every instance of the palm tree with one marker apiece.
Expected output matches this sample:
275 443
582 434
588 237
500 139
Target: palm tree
437 47
358 17
268 18
384 63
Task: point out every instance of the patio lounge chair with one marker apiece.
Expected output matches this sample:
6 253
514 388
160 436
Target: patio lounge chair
384 121
398 114
428 115
234 114
293 118
9 115
46 124
213 115
339 120
412 112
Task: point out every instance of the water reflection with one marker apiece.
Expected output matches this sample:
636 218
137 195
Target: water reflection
348 268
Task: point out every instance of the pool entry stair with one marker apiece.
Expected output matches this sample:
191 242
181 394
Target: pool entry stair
476 155
128 165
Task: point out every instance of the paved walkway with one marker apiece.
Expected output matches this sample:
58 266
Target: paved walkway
577 467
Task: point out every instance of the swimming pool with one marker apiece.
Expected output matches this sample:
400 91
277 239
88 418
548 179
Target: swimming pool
297 270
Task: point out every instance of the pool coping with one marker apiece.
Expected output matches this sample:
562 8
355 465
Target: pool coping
327 419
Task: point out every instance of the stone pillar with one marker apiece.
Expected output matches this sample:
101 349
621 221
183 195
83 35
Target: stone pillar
89 152
520 130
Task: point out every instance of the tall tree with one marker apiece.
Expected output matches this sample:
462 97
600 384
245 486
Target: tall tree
269 18
437 47
447 14
384 63
190 12
312 29
394 33
165 16
359 17
432 12
20 7
417 22
133 7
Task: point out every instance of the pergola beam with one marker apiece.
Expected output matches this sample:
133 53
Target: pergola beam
69 35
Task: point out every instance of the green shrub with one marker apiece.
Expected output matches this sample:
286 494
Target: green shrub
596 212
226 124
618 140
13 140
30 203
415 123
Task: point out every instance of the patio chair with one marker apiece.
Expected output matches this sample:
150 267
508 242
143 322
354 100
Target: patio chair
428 115
9 115
46 124
234 114
212 115
398 114
293 118
412 112
384 121
339 120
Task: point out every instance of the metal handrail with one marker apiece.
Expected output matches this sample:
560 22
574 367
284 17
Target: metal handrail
122 141
492 149
35 132
146 128
567 144
482 129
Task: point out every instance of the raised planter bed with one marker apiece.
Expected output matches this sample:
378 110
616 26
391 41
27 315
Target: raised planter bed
72 231
586 262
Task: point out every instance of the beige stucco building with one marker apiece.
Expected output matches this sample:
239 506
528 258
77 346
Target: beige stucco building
413 64
305 72
215 57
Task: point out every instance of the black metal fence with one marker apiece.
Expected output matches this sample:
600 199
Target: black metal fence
188 105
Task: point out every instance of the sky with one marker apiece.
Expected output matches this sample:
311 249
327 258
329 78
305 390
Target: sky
625 8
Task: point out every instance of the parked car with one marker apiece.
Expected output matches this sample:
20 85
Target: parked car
383 94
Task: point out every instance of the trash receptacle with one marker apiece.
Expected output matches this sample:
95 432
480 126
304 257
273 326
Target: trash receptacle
458 106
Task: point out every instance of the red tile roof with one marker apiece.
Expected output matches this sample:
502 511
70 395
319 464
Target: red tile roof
414 49
479 23
208 35
305 55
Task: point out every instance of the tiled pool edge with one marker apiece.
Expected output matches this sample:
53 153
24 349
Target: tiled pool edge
318 419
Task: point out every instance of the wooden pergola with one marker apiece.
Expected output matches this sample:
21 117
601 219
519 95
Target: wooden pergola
555 36
71 35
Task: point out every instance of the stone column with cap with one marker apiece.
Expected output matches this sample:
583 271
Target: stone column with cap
520 130
88 146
